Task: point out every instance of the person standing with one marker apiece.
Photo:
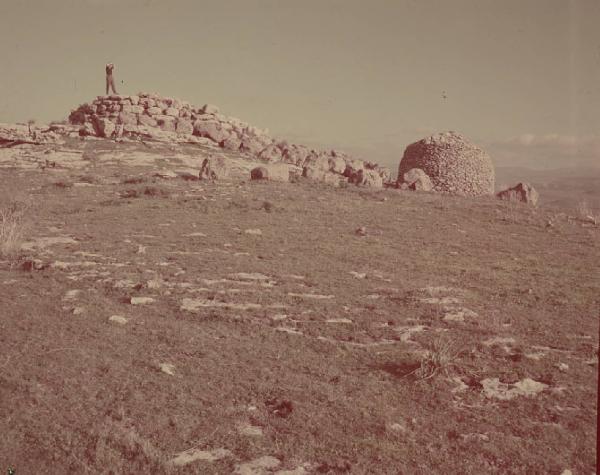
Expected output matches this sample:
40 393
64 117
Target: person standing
110 80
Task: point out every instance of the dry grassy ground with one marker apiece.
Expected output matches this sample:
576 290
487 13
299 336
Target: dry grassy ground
455 336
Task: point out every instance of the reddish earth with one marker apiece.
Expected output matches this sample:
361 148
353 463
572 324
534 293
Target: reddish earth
156 331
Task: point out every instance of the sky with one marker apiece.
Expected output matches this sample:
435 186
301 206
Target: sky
520 78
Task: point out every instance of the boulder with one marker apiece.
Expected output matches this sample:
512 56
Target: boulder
317 160
166 122
146 102
251 146
154 110
172 112
384 173
210 129
87 129
135 100
352 169
521 192
127 118
367 178
77 117
231 143
271 153
146 120
210 109
184 127
417 180
214 168
321 175
271 171
296 154
130 129
103 127
337 164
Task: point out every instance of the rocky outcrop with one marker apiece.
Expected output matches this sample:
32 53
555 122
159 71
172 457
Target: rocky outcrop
16 134
453 164
521 192
151 115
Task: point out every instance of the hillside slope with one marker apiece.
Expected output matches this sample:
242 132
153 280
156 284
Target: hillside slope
169 325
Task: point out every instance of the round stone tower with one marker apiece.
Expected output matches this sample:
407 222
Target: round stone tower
453 163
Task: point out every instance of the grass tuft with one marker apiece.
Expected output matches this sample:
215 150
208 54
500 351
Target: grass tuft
12 229
440 356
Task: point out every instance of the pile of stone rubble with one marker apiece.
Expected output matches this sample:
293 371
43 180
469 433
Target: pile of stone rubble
148 115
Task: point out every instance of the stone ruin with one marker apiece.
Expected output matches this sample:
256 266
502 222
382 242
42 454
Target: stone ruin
446 162
151 116
453 164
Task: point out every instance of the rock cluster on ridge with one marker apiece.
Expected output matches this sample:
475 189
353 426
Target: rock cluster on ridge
453 164
148 114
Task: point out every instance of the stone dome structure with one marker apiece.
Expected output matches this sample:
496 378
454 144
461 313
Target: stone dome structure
454 164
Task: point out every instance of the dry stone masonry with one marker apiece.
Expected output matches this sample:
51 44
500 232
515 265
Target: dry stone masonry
453 164
149 115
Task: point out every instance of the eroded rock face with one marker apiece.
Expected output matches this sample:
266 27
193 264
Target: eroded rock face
453 164
521 192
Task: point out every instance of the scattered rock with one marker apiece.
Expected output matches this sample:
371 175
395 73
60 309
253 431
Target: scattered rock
192 455
259 466
417 180
253 232
118 319
493 388
193 305
521 192
459 315
140 300
250 430
311 296
289 330
250 276
210 109
167 368
272 171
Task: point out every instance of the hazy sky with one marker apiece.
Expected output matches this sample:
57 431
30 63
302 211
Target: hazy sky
519 77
